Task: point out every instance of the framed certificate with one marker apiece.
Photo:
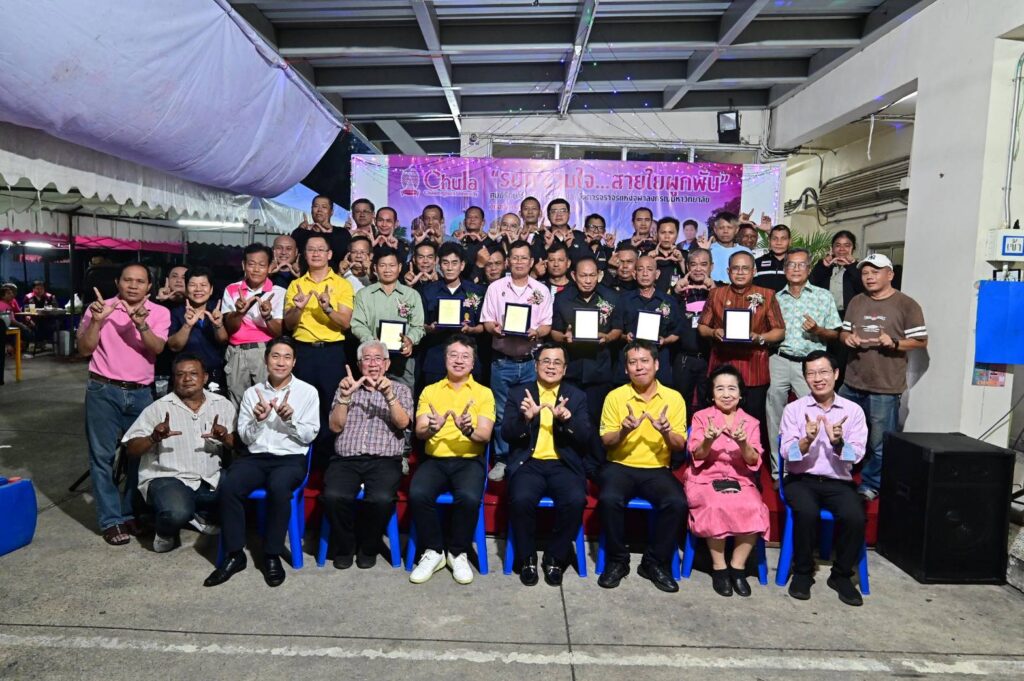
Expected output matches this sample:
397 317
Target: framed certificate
648 326
449 313
737 325
585 325
516 321
390 334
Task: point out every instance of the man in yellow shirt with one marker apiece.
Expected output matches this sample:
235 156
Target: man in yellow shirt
317 313
642 424
547 427
455 416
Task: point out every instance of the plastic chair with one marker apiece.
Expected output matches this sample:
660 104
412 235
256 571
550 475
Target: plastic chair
690 552
296 523
825 532
581 544
643 505
394 543
479 535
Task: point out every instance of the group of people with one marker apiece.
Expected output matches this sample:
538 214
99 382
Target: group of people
535 353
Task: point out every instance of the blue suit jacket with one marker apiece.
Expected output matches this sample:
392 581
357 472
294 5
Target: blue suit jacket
572 437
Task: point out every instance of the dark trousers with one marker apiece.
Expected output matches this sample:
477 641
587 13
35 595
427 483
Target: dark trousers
379 476
279 475
323 367
464 478
690 377
174 503
596 394
807 494
536 479
665 493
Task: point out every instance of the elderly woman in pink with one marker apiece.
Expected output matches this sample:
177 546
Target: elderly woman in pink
725 446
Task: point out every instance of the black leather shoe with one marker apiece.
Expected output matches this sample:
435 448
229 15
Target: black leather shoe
720 582
528 572
236 562
273 571
740 586
613 574
364 561
847 591
800 587
552 573
343 561
658 575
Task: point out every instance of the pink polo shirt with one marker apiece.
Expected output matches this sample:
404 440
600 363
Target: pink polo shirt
121 354
253 328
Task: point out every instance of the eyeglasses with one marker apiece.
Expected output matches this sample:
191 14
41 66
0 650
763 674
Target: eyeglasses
372 360
559 211
816 374
466 357
317 250
796 266
548 362
519 258
741 268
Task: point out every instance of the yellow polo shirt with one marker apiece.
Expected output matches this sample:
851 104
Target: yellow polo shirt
449 441
545 449
645 447
314 324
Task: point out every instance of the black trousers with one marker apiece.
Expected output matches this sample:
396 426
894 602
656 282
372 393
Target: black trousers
279 475
323 367
379 476
464 478
621 483
596 394
690 377
807 494
567 489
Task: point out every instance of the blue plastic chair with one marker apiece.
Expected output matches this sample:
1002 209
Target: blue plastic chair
690 552
296 523
581 544
643 505
479 535
394 543
825 532
19 511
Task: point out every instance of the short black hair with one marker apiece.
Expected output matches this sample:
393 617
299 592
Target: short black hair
726 370
637 210
368 202
529 198
815 356
38 282
461 339
432 205
258 247
557 246
520 243
393 211
182 357
585 258
451 248
691 221
844 233
780 228
726 215
482 214
136 263
641 345
280 340
556 202
322 196
698 251
626 246
669 221
426 242
549 345
604 223
360 237
747 254
382 252
199 271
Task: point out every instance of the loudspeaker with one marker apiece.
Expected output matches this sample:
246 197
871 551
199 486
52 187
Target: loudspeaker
944 507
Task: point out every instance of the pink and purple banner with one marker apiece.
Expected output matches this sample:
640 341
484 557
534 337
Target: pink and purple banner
611 188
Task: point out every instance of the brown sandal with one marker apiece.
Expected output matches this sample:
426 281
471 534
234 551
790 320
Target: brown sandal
116 535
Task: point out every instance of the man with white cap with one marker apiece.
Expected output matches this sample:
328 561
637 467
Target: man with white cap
881 326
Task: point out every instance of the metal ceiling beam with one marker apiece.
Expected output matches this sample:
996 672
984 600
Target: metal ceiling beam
584 22
426 17
401 137
734 21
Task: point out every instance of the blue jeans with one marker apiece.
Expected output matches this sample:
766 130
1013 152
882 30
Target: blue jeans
174 503
109 413
882 413
504 374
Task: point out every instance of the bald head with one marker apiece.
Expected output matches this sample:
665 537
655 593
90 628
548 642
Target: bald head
646 271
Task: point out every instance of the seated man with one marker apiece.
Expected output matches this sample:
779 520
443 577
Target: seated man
370 416
642 424
823 437
181 438
277 421
39 296
455 416
548 431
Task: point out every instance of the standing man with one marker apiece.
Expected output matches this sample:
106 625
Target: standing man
670 260
337 238
433 221
318 311
882 325
548 431
253 313
474 240
812 322
512 362
643 227
450 285
284 266
122 336
647 298
642 425
388 300
362 217
621 273
198 329
355 268
598 240
384 233
823 437
726 227
690 363
369 416
277 421
771 271
557 277
529 211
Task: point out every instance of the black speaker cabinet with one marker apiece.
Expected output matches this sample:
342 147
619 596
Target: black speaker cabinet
944 507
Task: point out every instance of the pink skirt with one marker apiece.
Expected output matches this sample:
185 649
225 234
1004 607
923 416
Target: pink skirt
718 515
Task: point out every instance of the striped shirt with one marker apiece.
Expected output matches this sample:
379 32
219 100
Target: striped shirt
874 370
253 328
187 457
368 427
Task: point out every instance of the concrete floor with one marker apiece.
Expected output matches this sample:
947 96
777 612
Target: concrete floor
72 607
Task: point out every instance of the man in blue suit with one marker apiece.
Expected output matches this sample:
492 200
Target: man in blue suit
548 431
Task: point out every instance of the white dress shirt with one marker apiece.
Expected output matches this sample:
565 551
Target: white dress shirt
274 435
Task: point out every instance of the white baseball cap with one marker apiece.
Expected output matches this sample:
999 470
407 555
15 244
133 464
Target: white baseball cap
876 260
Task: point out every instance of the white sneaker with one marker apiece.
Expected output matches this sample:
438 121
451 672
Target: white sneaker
497 473
163 544
203 527
405 465
430 562
461 571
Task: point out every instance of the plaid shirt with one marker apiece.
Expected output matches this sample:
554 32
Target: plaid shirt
368 428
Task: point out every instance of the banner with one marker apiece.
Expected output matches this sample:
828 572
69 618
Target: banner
611 188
